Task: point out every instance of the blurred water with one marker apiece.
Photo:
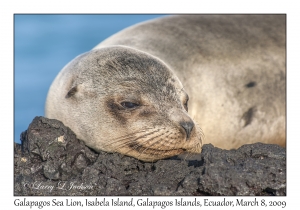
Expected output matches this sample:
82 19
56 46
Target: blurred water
44 44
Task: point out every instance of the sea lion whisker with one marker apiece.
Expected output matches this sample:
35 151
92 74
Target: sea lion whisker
158 150
130 134
151 145
129 141
131 138
185 156
138 145
122 141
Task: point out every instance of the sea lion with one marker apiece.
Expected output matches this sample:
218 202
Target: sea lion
119 99
130 93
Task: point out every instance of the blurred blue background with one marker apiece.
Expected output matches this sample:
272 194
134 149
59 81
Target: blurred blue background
43 44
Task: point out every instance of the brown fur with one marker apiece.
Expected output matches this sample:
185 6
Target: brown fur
231 66
89 92
231 71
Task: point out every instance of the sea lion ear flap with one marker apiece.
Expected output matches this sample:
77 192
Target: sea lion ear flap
72 92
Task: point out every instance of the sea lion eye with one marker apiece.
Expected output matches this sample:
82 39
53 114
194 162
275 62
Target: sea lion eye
186 105
129 105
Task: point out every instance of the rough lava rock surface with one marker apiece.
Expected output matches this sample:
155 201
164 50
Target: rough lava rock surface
52 161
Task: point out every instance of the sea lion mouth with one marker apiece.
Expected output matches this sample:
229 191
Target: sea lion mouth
156 151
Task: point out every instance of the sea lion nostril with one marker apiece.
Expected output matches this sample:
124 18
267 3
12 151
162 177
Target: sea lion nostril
188 127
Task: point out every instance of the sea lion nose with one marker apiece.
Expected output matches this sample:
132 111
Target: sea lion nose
188 127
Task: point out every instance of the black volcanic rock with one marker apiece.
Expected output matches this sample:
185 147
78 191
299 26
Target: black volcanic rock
52 161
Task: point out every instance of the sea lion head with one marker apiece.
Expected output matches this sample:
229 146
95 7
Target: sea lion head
119 99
